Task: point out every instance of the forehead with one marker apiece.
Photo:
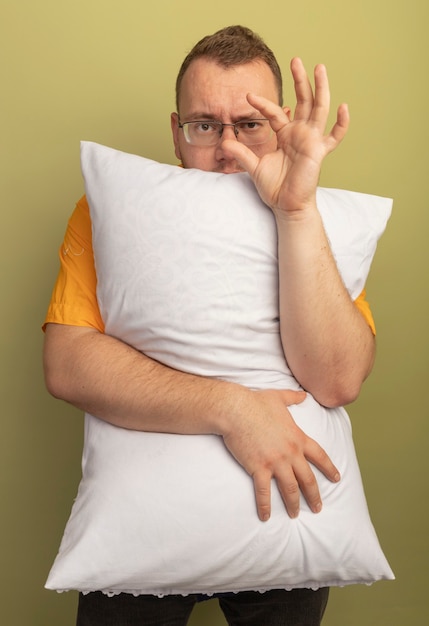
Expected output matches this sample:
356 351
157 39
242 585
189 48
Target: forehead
211 89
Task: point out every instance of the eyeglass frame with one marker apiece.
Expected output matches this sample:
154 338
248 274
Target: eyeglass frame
221 127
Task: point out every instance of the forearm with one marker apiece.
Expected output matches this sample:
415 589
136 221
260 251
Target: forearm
113 381
118 384
328 344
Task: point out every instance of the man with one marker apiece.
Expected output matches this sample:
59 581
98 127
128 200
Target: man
228 87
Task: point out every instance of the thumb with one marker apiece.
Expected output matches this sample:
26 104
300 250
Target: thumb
233 149
290 396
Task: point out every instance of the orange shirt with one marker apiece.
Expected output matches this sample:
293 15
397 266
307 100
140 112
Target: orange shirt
74 298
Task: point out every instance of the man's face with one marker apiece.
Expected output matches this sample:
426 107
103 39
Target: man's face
212 92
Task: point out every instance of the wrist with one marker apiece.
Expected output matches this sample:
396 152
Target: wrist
305 218
297 211
230 403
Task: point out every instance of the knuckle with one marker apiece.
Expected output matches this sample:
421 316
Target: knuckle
320 454
291 489
263 491
309 481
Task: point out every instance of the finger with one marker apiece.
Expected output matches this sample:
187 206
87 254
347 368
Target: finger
290 396
242 154
289 490
307 483
262 487
340 128
277 115
316 455
303 90
322 96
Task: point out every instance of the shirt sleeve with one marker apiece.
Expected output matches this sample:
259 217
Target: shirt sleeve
74 297
363 305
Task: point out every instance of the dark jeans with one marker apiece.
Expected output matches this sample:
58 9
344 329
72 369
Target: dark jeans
299 607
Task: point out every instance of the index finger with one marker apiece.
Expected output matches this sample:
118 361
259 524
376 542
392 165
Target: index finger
272 111
316 455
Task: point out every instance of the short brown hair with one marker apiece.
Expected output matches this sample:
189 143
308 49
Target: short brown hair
233 45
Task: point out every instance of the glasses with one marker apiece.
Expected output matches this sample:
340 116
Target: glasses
208 132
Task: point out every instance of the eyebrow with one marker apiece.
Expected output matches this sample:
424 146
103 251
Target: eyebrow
202 116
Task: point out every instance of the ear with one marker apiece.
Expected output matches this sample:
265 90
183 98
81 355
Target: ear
287 112
174 120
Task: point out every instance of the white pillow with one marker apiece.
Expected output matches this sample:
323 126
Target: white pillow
187 273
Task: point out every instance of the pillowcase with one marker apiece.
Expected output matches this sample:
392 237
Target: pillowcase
186 265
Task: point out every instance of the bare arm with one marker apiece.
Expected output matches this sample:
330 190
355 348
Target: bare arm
328 344
114 382
111 380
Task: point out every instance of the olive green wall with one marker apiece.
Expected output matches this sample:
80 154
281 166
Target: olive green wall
103 70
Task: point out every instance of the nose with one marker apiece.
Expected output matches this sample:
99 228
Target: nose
228 132
226 164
